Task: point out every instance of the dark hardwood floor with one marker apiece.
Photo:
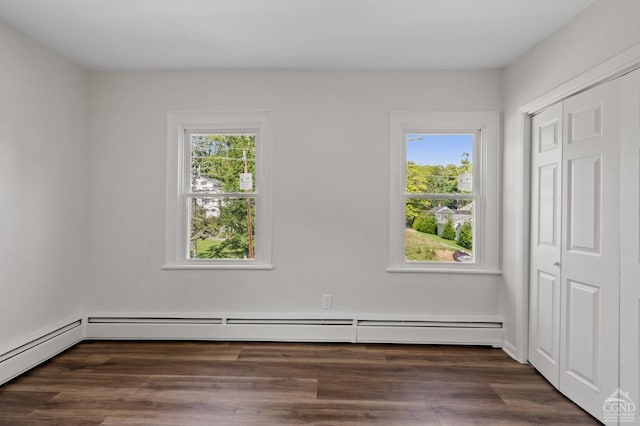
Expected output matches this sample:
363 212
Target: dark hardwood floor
238 383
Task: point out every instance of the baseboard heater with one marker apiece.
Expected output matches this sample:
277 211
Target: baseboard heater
23 357
296 328
291 321
405 323
152 320
220 320
39 341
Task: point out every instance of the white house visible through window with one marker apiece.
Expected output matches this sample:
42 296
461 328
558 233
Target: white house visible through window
218 200
444 191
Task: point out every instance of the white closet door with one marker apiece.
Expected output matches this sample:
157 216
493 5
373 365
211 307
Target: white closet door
544 289
590 248
630 239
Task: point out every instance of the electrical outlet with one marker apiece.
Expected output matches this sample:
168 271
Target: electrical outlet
326 301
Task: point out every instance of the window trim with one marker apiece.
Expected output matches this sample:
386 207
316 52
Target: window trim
178 154
487 165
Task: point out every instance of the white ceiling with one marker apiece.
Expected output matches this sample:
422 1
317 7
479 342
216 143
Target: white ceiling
289 34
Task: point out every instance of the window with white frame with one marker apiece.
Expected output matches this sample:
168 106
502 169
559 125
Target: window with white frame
218 199
444 191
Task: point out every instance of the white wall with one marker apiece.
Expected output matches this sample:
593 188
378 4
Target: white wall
43 213
330 192
330 182
603 30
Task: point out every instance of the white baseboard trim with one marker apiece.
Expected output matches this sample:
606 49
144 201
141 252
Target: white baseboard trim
35 351
512 351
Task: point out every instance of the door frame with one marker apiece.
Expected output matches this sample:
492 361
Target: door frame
617 66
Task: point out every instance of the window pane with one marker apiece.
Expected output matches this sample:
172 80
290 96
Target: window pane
439 230
217 160
218 228
439 163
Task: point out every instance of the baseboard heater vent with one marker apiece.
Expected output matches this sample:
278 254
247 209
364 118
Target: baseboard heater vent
153 320
39 341
291 321
429 324
297 327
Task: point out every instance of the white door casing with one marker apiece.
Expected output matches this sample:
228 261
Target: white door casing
630 238
544 297
589 331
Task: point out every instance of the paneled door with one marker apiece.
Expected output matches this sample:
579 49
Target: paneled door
589 332
630 241
544 289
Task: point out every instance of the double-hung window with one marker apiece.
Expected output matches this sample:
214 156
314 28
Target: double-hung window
444 191
218 199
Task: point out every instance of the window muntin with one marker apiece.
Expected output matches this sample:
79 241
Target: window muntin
439 197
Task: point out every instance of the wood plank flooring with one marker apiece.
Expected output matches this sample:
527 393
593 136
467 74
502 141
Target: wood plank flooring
239 383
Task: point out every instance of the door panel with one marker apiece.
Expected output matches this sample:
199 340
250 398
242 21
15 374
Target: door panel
547 325
548 205
585 124
630 239
583 335
544 296
584 204
548 133
590 248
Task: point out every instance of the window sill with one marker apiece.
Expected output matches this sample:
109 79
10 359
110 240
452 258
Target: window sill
251 266
474 271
